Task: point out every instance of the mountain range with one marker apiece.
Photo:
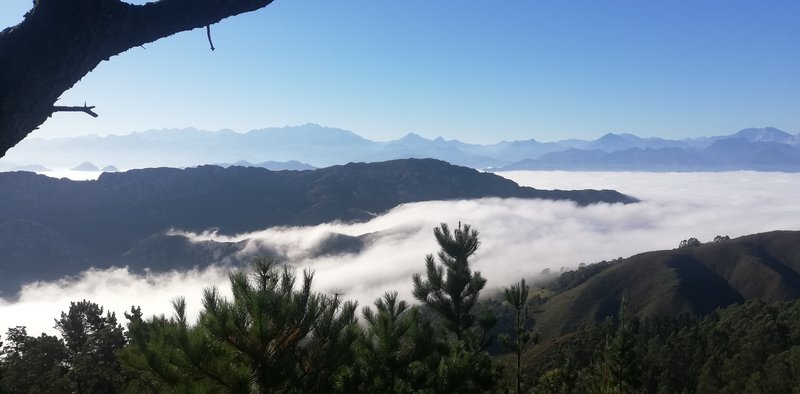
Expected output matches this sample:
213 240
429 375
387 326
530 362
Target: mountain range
767 149
54 227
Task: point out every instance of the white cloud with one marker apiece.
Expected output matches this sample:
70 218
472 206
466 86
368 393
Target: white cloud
116 289
519 238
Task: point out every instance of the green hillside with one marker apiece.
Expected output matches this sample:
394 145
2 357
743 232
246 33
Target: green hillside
694 280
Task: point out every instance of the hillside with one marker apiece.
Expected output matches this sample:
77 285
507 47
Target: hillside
54 227
694 280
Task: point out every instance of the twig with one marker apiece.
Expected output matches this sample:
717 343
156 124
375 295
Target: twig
85 109
208 33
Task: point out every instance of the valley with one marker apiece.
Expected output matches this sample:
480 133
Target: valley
258 196
367 255
124 219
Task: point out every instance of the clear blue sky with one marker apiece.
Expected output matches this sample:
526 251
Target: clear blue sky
476 71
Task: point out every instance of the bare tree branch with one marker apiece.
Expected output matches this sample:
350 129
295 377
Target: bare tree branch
84 108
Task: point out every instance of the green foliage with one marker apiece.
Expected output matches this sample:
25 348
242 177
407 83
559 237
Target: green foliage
272 336
83 361
169 355
461 369
397 343
573 278
275 334
330 353
621 357
33 364
689 243
92 340
517 297
451 290
754 347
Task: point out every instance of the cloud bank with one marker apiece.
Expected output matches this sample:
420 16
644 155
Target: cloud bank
519 238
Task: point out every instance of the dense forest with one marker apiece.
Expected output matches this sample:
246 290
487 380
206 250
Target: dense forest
748 348
277 334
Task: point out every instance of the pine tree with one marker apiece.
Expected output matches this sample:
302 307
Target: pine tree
517 297
265 321
451 289
273 335
396 337
624 367
330 351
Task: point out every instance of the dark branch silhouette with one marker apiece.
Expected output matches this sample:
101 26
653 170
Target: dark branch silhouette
84 108
60 41
208 33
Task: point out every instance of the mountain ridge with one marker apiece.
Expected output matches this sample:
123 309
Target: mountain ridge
99 221
321 146
694 280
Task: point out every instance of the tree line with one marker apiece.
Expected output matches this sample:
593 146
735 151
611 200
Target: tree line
749 348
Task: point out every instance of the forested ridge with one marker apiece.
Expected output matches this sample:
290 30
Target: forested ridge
277 334
745 348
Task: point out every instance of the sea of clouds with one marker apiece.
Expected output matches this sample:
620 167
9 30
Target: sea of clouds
519 239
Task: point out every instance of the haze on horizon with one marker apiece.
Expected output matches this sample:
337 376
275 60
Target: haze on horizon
483 141
310 145
468 71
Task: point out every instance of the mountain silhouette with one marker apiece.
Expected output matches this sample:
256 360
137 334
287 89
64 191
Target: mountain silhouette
320 146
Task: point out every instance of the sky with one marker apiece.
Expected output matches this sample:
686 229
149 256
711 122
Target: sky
475 71
519 238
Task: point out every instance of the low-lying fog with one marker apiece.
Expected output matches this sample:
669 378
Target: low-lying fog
519 238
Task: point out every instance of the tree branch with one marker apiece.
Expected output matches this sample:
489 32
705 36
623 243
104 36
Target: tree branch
84 108
208 33
60 41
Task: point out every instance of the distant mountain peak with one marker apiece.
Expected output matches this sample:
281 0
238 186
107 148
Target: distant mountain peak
31 168
306 135
611 137
304 127
85 166
764 134
413 138
413 135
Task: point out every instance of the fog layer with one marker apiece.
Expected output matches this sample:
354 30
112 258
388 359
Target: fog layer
519 238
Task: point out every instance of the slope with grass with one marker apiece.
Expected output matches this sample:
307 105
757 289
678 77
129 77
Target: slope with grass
694 280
